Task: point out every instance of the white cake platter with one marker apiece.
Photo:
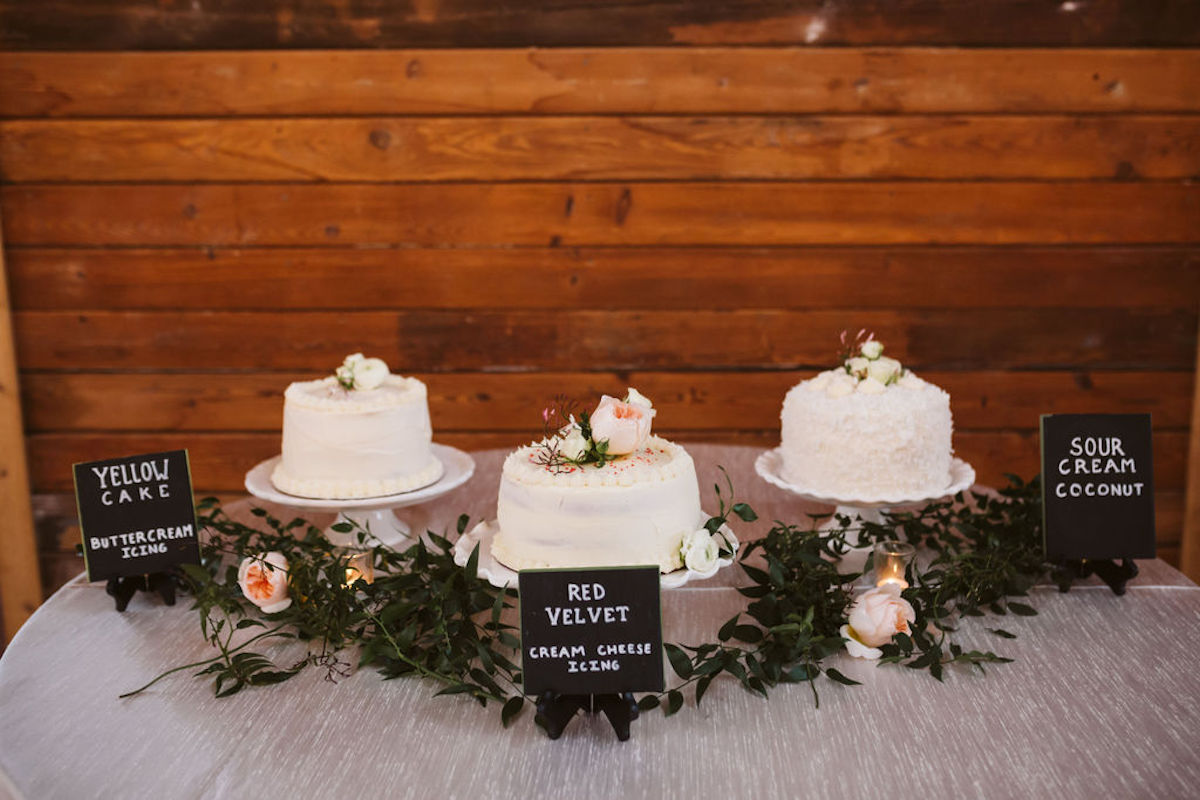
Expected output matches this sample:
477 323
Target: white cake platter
373 513
505 578
769 466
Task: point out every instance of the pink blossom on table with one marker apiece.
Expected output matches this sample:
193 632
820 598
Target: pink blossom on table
625 426
263 580
879 614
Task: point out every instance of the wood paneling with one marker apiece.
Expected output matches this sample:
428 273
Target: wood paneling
383 150
243 24
692 401
709 213
420 340
20 584
605 278
604 81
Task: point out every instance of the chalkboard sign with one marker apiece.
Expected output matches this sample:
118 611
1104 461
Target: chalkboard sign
591 631
1097 486
136 514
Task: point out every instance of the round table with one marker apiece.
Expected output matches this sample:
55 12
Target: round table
1103 699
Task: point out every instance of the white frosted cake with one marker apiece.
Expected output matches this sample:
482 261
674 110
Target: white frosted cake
360 433
637 503
867 429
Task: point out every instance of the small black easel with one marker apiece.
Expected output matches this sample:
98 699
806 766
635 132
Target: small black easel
554 711
122 590
1115 574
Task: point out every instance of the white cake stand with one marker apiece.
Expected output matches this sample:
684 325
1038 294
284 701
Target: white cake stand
769 466
373 513
504 577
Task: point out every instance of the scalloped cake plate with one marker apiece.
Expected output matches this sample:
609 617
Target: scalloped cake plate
458 467
504 577
769 466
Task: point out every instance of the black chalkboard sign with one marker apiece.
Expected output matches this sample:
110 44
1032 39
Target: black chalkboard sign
591 631
1097 486
136 514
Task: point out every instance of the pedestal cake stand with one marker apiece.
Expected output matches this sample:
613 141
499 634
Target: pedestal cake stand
769 466
504 577
376 514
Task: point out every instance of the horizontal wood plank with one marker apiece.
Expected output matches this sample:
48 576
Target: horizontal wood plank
598 278
444 341
242 24
383 150
220 460
601 213
691 401
702 80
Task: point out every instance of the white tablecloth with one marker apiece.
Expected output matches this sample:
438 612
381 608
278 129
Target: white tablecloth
1102 700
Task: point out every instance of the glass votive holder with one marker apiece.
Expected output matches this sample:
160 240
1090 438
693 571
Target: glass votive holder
360 566
891 560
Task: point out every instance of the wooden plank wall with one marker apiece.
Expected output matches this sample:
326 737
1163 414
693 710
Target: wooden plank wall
205 200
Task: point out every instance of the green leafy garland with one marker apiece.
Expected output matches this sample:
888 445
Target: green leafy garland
425 615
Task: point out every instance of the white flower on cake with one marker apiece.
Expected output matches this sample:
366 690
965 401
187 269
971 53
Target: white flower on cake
877 616
870 364
884 370
870 386
700 551
636 398
361 373
263 580
872 349
625 426
573 444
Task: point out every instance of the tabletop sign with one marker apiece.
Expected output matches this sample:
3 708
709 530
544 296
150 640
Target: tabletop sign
591 631
136 514
1097 486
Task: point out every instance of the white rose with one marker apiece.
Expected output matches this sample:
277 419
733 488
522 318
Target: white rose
700 552
879 614
572 444
626 427
872 349
369 373
353 360
858 367
264 581
856 648
884 370
871 386
636 398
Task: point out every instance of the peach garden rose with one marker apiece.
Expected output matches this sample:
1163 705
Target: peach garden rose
264 581
626 426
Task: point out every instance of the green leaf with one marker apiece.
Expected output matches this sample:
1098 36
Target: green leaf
648 702
726 631
834 675
745 513
747 633
461 525
1003 634
674 702
702 687
341 527
1022 610
679 661
512 707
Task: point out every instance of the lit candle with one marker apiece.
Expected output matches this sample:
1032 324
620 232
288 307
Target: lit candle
891 559
360 566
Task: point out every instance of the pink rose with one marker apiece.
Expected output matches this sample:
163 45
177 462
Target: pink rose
879 614
625 426
264 581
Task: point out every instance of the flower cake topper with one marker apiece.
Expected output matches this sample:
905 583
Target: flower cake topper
615 428
362 374
863 360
